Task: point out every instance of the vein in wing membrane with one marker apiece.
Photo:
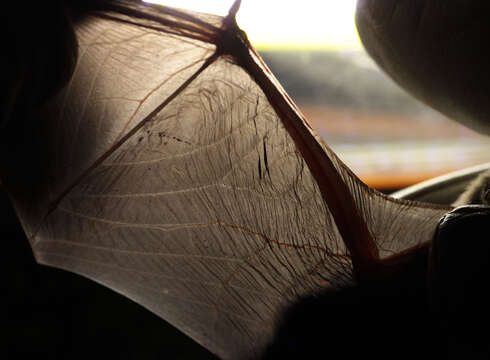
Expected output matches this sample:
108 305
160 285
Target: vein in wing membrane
146 67
395 224
208 216
123 73
184 191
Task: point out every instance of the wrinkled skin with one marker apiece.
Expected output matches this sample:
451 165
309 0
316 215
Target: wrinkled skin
436 49
433 48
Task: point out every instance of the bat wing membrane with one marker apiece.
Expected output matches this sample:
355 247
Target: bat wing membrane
172 176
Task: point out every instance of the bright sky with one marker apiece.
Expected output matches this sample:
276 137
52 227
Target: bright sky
287 23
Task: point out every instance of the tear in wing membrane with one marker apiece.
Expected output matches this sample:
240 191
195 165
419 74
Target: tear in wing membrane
177 184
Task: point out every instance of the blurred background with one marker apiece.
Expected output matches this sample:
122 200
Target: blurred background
388 139
385 136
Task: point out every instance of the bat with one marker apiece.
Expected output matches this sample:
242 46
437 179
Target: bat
173 168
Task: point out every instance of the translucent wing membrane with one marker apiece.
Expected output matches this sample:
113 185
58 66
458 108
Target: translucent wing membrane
396 225
171 174
208 216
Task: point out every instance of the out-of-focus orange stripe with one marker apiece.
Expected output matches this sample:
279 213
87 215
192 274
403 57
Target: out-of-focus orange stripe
398 181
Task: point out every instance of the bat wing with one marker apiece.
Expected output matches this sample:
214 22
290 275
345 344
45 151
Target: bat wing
175 170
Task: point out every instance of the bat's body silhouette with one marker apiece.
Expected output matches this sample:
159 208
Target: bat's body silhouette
174 169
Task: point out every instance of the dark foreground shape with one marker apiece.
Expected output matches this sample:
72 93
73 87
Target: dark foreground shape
435 312
388 319
459 269
436 50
